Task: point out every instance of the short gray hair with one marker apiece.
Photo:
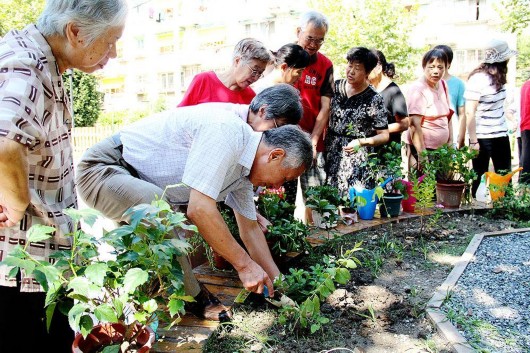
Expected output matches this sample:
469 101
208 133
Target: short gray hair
249 48
282 102
316 18
93 17
294 141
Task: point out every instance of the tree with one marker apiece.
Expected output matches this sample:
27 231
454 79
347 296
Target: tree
382 24
87 100
15 14
515 15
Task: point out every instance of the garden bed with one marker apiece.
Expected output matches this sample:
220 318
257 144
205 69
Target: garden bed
382 307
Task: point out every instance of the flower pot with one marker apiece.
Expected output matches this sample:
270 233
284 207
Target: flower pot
319 220
220 262
410 201
390 205
367 210
348 215
108 334
449 194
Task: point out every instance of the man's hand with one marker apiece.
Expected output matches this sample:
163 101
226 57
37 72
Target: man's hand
254 278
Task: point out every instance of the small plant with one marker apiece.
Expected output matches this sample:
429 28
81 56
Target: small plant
288 235
142 284
325 201
310 288
273 206
424 192
451 164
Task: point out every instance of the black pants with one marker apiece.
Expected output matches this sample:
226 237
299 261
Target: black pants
23 324
498 150
525 157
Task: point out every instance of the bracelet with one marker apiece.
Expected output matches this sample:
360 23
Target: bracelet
473 143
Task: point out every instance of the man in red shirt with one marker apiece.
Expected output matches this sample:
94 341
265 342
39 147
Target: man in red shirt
525 132
316 90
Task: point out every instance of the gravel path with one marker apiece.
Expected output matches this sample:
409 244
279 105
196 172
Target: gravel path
490 304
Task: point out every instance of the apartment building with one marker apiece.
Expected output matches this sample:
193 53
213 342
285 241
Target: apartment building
167 42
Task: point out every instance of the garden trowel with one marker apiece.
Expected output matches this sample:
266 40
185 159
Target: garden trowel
279 300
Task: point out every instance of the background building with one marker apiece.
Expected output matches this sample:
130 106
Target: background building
167 42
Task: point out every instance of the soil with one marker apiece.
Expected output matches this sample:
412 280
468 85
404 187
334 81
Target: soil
401 269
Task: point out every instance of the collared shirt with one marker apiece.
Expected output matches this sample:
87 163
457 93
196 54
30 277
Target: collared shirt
209 150
34 112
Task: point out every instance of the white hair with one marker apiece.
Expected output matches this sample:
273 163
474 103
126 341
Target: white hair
93 17
314 17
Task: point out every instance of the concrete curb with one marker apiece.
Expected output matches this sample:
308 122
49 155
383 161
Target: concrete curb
458 343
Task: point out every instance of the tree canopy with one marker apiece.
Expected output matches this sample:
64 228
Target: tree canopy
15 14
385 25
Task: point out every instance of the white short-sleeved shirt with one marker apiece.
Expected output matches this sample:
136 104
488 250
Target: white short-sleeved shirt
489 116
209 150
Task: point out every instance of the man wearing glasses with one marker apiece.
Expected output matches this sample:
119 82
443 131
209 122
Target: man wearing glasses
316 90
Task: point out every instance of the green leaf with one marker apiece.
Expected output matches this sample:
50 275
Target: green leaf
88 215
50 309
105 313
150 306
86 324
181 245
74 315
315 328
96 272
111 349
39 232
80 286
342 276
27 265
133 278
175 306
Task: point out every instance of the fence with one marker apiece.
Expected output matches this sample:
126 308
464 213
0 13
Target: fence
85 137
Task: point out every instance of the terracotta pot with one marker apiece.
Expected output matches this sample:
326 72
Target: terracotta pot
220 262
107 334
449 194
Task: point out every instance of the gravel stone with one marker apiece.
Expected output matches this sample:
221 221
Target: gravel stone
493 294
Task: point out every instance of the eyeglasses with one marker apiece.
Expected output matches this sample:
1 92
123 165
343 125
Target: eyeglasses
314 40
255 73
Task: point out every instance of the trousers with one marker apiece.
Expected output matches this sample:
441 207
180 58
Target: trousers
108 184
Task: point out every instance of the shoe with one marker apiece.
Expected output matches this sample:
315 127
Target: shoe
207 306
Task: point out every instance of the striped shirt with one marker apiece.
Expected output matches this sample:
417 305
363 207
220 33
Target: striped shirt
489 116
197 147
34 112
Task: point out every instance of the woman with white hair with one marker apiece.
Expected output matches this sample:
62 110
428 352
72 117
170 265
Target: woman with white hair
485 115
249 60
36 162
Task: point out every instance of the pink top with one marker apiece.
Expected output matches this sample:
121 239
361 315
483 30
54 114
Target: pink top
206 87
433 105
525 106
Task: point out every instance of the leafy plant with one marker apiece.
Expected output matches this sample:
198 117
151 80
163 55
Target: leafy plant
141 284
309 288
273 206
451 164
424 193
288 235
325 200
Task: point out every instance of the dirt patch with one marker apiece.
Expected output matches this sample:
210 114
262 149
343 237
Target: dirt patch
382 308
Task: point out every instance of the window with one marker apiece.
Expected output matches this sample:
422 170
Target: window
166 81
187 74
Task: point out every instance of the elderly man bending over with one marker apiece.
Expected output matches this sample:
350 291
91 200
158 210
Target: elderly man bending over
215 156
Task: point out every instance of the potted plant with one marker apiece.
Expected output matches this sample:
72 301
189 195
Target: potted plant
395 190
324 201
451 170
115 299
285 234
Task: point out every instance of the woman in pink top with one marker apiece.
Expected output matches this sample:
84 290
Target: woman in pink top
429 108
250 58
